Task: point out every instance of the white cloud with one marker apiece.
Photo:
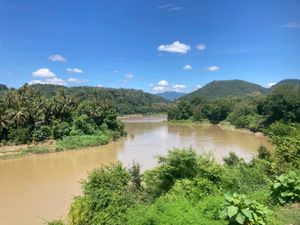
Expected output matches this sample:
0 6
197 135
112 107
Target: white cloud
169 7
163 83
54 80
292 24
129 75
271 84
199 86
57 58
187 67
201 47
213 68
76 80
44 73
74 70
175 47
99 85
178 87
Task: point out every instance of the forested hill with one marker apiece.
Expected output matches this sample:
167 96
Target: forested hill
170 95
294 82
3 87
126 101
225 88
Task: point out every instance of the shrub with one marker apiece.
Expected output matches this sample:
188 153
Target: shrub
60 129
20 135
175 210
286 188
264 153
105 198
178 164
81 141
84 125
241 210
232 159
195 189
41 134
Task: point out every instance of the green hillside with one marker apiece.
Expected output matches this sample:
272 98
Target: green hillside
126 101
225 88
288 82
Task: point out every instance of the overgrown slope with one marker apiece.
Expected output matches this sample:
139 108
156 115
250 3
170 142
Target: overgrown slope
225 88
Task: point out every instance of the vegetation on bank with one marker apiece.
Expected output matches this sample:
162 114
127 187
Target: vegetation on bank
255 111
26 117
188 188
124 101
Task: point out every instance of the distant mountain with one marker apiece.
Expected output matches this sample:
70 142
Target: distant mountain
171 95
3 88
288 82
225 88
127 101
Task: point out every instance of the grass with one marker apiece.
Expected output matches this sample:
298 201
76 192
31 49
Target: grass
288 215
67 143
75 142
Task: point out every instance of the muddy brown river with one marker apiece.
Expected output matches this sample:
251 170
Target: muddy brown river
40 187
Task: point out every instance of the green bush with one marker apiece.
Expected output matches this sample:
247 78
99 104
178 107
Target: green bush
264 153
172 210
194 189
286 188
81 141
20 135
232 159
241 210
60 129
178 164
105 198
41 134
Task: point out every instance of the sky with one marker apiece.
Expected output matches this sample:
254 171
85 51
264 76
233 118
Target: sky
153 45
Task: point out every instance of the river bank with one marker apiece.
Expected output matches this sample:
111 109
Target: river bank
52 146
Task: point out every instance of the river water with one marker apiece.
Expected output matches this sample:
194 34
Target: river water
40 187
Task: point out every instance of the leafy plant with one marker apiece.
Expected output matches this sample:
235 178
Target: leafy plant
286 188
241 210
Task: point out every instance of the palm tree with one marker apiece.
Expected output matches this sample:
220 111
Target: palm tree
20 117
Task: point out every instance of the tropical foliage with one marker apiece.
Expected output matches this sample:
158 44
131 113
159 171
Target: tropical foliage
28 117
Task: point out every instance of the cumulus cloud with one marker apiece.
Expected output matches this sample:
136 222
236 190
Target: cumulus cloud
74 70
178 87
164 85
187 67
54 80
76 80
47 77
175 47
129 75
271 84
57 58
201 47
99 85
213 68
199 86
292 24
43 73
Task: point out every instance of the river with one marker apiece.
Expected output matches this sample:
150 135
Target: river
39 187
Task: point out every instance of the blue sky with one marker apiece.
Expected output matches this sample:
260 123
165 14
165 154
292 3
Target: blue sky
148 44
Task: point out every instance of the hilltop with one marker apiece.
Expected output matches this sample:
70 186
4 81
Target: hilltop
225 88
